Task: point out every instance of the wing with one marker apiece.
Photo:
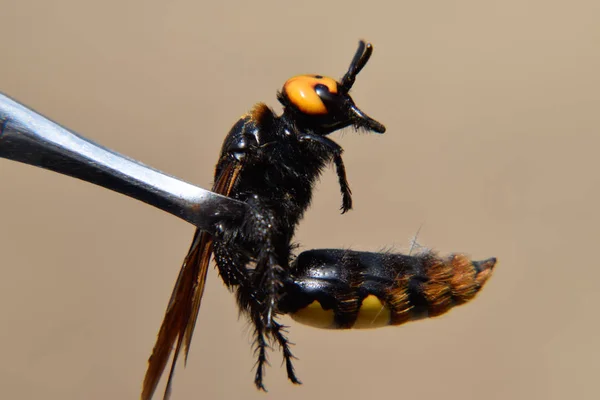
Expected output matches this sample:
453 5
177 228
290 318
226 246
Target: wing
180 318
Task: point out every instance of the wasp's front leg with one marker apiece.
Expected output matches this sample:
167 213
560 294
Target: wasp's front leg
340 169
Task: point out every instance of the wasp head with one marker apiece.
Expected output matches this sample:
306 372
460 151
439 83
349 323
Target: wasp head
324 105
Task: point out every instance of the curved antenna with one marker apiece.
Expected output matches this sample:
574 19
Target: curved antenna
362 55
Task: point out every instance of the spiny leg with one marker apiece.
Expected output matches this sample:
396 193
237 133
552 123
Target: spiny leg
261 349
340 169
262 226
278 331
232 267
249 303
269 279
251 300
344 186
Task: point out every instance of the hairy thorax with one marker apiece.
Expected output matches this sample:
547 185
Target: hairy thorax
277 168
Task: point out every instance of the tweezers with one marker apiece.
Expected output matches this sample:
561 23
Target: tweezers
33 139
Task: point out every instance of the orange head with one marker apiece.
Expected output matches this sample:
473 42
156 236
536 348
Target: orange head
323 104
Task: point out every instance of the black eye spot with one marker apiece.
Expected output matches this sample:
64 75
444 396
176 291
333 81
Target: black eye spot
319 76
325 94
319 87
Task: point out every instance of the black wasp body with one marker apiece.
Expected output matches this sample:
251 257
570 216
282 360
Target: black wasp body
272 163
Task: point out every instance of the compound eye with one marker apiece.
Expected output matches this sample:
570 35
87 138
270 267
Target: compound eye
302 92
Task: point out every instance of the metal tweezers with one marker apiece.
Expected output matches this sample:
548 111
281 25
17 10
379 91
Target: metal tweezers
30 138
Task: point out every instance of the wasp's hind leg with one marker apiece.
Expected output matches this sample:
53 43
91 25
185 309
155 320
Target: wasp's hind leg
248 300
250 304
278 331
261 228
268 278
260 350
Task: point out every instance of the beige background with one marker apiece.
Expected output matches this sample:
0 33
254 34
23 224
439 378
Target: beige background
492 142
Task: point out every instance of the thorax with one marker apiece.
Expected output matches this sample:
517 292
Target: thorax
276 166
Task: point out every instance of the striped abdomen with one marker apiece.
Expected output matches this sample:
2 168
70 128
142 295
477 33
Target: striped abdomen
340 289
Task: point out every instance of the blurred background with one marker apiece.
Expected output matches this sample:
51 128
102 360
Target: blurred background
492 111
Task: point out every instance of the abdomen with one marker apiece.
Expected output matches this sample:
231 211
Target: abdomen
341 289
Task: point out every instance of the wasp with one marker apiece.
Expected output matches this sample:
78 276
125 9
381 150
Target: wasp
272 162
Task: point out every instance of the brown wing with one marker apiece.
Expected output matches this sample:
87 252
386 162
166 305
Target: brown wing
180 318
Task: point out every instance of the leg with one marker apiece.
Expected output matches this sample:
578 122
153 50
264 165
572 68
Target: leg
278 331
272 251
268 278
258 235
258 289
250 305
260 349
340 169
249 300
344 187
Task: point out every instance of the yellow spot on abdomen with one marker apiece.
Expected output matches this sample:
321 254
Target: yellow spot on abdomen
314 315
372 314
